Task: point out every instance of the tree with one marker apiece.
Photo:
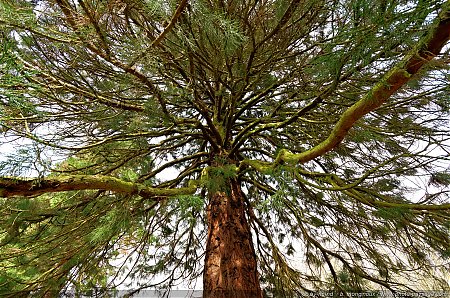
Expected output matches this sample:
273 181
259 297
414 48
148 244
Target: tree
251 134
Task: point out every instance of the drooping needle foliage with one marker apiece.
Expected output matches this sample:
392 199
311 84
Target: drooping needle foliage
122 120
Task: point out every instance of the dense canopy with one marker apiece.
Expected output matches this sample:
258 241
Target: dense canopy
269 146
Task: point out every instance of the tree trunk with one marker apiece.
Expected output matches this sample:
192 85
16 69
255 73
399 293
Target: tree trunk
230 261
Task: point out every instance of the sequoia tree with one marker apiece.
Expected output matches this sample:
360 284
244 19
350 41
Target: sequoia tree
279 146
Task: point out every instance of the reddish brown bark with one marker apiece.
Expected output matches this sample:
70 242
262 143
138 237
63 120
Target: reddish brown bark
230 261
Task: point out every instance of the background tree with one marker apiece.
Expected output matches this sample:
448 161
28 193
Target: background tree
277 140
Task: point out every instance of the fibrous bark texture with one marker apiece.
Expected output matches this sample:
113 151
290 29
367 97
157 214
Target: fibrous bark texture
230 262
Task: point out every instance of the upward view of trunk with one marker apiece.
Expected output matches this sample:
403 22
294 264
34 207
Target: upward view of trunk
230 261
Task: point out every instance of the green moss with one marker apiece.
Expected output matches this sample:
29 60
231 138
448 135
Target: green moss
288 157
260 166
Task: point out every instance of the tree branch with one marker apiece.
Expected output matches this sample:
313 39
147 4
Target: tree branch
11 186
427 48
156 42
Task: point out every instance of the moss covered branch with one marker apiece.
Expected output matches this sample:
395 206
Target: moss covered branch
11 186
427 48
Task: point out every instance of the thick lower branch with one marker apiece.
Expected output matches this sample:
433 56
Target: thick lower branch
12 186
